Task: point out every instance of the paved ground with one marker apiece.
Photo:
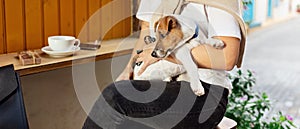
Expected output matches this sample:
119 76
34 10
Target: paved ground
274 54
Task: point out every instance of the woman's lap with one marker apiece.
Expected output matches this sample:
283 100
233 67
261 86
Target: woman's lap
158 104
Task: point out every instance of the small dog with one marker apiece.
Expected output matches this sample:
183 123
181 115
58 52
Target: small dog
177 34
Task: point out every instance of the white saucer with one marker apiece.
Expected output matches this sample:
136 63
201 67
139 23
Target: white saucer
58 54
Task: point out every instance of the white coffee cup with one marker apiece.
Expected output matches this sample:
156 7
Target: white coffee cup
63 43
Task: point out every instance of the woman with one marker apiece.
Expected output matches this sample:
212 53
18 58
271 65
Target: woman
120 106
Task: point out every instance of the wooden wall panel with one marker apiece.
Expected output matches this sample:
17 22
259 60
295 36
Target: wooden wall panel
128 21
27 24
34 24
51 18
134 21
81 16
117 13
121 28
94 20
14 16
67 12
106 19
2 28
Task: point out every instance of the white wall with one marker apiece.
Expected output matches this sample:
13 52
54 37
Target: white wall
294 5
282 10
261 10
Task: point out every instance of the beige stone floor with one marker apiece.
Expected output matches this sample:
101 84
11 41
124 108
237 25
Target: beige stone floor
273 52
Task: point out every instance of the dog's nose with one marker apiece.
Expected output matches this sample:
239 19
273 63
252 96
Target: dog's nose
153 54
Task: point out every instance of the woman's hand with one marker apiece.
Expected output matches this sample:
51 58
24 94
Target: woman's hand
141 56
146 58
126 74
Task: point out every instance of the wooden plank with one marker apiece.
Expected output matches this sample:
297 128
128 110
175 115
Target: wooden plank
128 21
68 63
106 18
14 16
94 20
118 13
81 17
2 28
67 12
51 19
34 24
109 49
134 20
123 26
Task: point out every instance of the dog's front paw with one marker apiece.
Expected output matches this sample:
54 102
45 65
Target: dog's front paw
216 43
199 92
197 88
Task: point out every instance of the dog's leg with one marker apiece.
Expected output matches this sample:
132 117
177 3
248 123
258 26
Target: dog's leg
202 39
161 70
183 54
216 43
153 72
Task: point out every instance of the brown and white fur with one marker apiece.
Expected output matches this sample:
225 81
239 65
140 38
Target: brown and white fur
174 34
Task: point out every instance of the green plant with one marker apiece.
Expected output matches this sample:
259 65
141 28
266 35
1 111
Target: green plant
247 107
280 122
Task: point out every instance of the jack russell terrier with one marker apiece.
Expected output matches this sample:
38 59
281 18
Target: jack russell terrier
178 35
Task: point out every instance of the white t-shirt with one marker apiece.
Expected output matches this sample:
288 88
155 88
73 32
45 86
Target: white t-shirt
221 23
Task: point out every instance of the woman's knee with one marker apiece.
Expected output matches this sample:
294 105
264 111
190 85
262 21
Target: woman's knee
124 87
110 92
112 95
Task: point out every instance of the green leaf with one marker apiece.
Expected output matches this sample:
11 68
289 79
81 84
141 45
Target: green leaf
249 113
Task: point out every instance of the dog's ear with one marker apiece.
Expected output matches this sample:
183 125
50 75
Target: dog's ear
172 23
155 26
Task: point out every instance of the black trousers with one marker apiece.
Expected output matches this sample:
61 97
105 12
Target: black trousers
157 104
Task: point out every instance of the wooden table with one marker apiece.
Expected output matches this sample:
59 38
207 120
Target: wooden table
109 49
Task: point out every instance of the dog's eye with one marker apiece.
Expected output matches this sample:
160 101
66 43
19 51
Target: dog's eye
162 35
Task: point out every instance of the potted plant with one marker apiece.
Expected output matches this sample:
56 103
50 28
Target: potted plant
248 107
298 8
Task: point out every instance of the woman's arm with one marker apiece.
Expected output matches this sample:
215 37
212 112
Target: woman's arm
140 45
222 59
204 55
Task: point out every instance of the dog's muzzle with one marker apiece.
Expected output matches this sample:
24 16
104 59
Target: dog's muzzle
153 54
160 53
